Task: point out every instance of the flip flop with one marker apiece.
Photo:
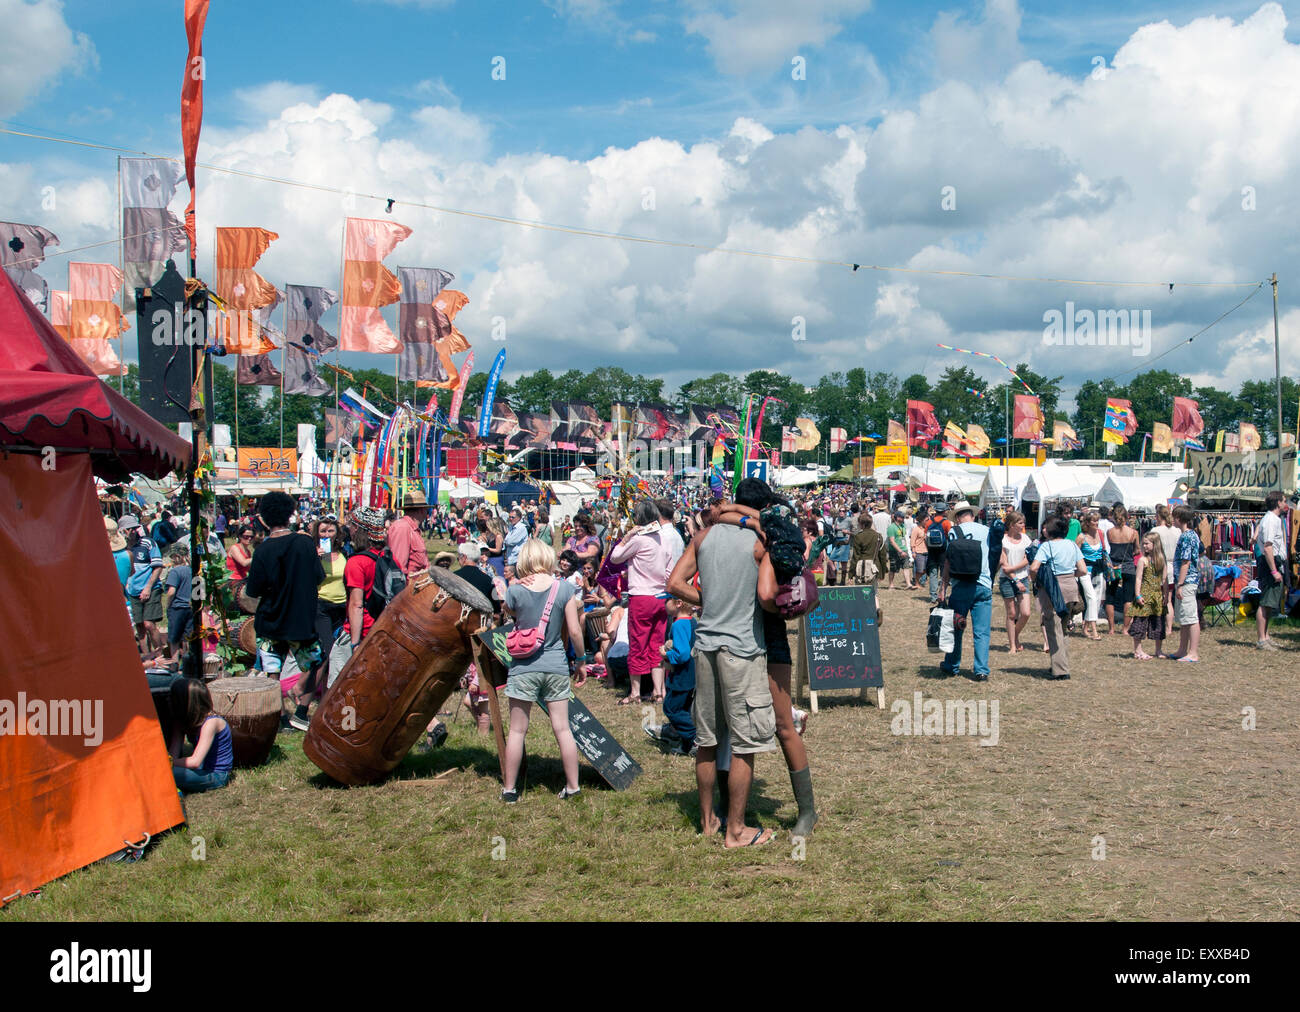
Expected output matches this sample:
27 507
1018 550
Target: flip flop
1189 660
754 842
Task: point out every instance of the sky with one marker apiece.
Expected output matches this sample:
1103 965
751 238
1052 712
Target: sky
1106 142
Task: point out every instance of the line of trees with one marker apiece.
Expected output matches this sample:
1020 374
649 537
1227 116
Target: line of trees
857 400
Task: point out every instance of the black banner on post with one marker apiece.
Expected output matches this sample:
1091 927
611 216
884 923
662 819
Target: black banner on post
171 335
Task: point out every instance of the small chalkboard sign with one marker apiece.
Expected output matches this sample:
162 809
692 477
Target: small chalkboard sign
608 757
604 753
841 641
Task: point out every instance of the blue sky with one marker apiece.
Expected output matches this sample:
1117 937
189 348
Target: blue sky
574 84
1134 170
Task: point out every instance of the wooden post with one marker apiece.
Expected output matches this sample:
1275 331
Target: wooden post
487 666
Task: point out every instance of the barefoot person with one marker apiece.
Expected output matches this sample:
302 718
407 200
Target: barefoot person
731 683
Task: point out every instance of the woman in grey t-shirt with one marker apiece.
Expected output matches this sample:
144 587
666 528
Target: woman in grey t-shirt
542 677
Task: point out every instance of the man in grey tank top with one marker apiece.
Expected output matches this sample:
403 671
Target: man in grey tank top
731 689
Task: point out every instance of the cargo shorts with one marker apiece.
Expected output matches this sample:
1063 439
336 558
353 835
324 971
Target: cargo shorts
732 696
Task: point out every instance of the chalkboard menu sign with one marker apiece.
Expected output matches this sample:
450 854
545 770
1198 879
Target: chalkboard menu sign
599 746
842 640
604 753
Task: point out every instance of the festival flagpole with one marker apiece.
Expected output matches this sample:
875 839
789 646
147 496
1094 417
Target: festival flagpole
338 419
121 266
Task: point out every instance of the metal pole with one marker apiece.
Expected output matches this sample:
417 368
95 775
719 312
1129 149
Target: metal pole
1277 380
1006 450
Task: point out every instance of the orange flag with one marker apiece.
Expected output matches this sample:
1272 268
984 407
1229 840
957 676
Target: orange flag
60 312
93 317
196 14
242 289
368 285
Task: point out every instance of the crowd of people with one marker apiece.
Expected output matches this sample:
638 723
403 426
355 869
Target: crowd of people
674 605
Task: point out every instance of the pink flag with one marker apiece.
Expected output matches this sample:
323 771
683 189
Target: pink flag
456 398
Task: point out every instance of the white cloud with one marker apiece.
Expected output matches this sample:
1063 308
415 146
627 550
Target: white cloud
749 36
36 47
977 50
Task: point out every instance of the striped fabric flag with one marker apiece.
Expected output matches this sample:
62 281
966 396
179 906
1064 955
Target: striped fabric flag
370 415
418 359
1119 416
94 321
1248 436
243 290
60 312
1028 418
717 471
954 439
22 249
151 234
1162 438
458 398
788 439
449 340
1064 437
306 339
1187 422
977 440
260 369
922 423
839 439
368 285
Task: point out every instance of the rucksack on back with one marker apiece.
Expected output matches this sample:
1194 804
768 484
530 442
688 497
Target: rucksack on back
389 582
965 556
784 543
934 537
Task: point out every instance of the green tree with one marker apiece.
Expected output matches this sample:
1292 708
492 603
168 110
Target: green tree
721 388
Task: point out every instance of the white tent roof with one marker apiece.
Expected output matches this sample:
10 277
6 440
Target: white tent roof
466 488
790 477
998 481
1137 492
572 494
1060 482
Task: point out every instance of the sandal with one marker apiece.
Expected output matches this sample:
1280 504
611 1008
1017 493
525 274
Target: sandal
629 700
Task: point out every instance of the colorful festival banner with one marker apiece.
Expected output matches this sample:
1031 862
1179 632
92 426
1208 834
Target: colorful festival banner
196 14
1064 437
490 395
458 398
1028 422
368 285
243 290
94 320
22 249
151 234
1187 421
416 326
922 423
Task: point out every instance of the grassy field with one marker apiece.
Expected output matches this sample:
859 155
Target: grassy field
1198 815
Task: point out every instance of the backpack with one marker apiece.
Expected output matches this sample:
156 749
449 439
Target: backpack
784 543
934 537
965 557
389 582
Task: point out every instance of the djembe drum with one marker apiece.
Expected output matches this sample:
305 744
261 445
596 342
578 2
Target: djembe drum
251 706
403 671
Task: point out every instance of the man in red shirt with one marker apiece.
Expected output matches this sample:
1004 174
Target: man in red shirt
359 574
404 538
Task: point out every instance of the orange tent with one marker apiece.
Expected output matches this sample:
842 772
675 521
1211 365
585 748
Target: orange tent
83 765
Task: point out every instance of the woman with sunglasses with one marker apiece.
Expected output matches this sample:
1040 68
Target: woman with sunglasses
240 556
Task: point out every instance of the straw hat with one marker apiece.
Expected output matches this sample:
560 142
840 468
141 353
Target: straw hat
115 540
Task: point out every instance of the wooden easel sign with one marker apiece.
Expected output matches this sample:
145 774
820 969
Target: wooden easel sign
839 645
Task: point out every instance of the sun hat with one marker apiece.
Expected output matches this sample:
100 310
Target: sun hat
115 540
128 522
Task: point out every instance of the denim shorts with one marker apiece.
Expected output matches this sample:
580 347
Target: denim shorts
539 687
1008 588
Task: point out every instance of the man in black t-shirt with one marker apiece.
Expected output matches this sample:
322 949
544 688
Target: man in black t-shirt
284 575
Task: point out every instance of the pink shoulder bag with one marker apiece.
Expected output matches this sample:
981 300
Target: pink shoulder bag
526 642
